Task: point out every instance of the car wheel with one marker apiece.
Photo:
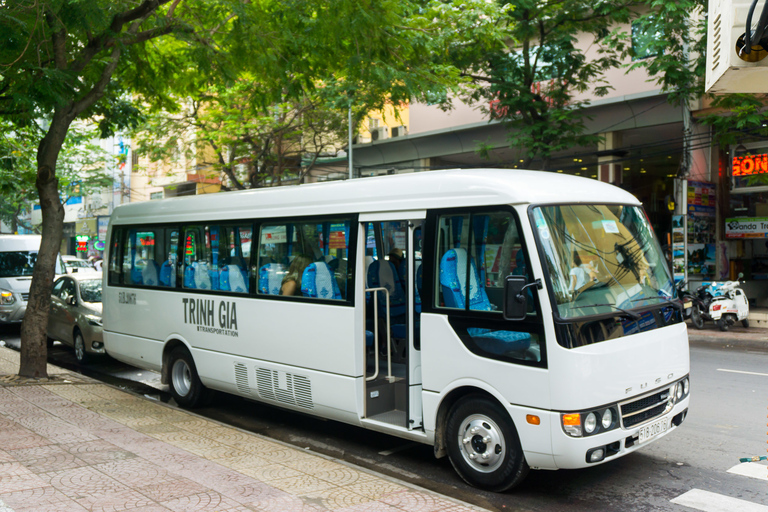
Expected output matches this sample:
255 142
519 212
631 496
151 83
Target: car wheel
483 445
186 387
49 342
696 319
80 354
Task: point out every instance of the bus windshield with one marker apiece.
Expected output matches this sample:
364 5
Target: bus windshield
17 263
601 259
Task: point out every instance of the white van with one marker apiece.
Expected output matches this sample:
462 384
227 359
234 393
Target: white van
18 254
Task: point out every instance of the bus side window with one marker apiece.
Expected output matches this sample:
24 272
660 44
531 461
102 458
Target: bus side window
114 268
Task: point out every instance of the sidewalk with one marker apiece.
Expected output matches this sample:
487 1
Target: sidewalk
736 334
75 444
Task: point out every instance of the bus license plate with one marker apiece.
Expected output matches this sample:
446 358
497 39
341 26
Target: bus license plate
651 430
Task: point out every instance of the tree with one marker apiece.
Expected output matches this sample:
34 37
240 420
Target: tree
531 84
678 65
83 168
63 60
249 145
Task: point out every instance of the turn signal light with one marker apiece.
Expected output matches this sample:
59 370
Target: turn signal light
533 420
572 419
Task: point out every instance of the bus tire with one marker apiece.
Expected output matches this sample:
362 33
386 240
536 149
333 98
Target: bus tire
483 445
186 387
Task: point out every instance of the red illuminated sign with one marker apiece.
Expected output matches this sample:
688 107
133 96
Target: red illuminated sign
750 164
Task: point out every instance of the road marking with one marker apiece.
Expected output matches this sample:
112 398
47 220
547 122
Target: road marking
740 371
713 502
750 469
398 449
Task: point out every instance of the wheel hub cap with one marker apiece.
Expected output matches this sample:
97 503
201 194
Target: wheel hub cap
482 443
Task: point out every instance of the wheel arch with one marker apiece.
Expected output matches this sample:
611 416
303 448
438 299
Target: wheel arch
448 401
170 345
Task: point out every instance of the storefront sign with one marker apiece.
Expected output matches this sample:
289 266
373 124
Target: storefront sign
751 227
748 165
86 227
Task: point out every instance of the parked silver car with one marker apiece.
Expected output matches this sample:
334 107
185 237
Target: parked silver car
75 317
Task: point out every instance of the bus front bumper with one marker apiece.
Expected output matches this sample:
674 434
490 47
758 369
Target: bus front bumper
580 452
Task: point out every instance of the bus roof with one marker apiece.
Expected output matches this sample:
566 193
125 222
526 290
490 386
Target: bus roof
401 192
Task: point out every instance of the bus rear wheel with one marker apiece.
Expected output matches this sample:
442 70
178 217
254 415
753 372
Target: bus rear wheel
186 387
483 445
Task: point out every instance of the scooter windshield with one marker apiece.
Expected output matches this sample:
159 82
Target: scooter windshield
601 259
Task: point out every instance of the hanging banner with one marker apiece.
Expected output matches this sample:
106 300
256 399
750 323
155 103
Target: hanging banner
751 227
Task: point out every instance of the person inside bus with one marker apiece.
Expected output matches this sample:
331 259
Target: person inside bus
291 284
581 273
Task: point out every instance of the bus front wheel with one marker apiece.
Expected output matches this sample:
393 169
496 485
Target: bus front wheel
186 387
483 445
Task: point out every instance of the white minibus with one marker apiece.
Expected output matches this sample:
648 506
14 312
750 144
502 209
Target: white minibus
511 319
18 255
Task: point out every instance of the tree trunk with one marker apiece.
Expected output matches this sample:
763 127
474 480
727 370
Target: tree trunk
34 350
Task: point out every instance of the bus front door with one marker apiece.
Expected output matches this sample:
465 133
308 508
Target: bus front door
392 254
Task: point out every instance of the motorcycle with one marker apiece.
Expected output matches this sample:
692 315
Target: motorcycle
729 305
723 303
693 304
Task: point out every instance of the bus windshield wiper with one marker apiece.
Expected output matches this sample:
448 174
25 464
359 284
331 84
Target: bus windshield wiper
633 316
668 302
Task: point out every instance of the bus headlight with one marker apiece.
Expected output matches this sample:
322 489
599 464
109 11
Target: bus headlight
6 297
582 424
590 423
679 390
607 419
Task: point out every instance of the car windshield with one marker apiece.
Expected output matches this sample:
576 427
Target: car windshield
17 263
77 263
90 290
601 259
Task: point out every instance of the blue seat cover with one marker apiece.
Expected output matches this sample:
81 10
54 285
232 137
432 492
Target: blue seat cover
383 274
453 279
270 278
318 281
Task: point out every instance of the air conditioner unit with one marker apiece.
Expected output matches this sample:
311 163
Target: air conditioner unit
399 131
726 72
379 133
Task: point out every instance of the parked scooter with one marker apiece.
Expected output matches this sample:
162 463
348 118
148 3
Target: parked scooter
724 303
729 305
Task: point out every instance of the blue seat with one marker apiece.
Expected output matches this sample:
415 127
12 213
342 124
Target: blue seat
270 278
383 274
167 275
318 281
197 275
149 275
453 281
500 342
233 279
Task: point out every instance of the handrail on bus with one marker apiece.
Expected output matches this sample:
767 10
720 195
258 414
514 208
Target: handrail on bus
375 291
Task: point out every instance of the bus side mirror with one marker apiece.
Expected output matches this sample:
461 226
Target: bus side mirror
515 301
516 298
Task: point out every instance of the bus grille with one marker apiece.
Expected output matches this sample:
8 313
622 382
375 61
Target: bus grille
646 408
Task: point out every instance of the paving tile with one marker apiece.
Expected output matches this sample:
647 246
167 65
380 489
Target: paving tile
41 499
414 501
288 503
301 485
271 472
242 461
49 458
204 502
15 477
338 498
169 488
113 500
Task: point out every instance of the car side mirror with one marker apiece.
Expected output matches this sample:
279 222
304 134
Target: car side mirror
72 300
515 299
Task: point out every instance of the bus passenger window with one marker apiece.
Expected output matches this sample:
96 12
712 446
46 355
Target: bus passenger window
114 268
306 259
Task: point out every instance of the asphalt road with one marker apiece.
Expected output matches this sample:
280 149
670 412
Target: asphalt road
726 421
